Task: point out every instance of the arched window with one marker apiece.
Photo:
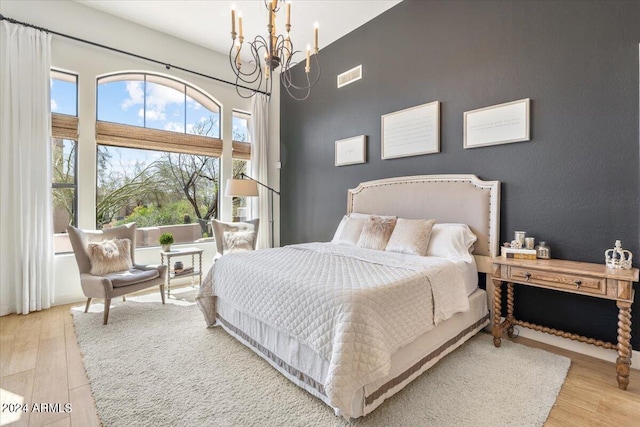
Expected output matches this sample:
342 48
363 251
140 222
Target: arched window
158 156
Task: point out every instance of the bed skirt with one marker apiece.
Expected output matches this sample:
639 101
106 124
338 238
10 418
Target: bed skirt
308 370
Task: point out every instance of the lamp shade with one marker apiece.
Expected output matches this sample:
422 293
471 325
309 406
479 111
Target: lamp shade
241 188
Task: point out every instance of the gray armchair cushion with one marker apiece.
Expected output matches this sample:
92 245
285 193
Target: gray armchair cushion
126 278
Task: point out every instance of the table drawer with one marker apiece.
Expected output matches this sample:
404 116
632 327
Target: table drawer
558 280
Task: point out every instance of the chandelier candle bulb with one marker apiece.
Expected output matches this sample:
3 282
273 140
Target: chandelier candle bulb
274 34
308 67
240 24
288 13
315 34
233 21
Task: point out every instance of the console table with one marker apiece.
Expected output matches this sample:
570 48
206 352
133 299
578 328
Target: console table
171 273
582 278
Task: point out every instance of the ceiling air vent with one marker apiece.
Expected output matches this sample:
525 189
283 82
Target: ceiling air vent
350 76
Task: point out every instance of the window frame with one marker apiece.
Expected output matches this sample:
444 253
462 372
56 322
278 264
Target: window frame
241 150
175 83
65 127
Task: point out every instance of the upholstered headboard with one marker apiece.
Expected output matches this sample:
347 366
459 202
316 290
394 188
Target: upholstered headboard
446 198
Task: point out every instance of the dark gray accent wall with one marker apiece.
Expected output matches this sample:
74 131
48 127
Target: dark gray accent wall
575 184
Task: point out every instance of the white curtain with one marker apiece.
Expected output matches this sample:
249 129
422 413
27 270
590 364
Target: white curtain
26 223
261 208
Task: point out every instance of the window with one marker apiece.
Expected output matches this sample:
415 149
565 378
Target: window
241 154
158 156
64 144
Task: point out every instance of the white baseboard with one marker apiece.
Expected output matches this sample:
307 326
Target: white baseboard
577 346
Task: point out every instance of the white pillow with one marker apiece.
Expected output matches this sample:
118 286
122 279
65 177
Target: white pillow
411 236
349 240
349 230
451 241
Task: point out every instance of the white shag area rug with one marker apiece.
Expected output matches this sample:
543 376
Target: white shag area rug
156 365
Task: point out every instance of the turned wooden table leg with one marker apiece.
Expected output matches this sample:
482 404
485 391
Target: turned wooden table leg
510 317
497 309
623 363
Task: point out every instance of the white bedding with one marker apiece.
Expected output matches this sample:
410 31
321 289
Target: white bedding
354 307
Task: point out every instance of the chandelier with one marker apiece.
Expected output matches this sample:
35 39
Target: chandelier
268 54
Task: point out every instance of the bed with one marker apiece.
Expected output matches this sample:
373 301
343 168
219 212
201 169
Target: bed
353 326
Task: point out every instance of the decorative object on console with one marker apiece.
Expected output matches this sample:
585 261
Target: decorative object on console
351 151
518 253
543 251
519 236
618 257
529 243
248 187
178 265
276 50
497 124
412 131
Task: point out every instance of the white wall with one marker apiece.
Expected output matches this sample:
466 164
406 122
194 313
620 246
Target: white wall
90 62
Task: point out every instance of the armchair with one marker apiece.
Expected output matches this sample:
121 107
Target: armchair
227 242
117 283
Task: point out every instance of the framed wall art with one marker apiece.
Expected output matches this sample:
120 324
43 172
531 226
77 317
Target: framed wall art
351 151
411 132
498 124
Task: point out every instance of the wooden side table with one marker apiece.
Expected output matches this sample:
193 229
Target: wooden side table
171 274
582 278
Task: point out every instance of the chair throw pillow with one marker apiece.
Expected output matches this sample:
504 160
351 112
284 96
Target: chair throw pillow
411 236
238 241
376 232
110 256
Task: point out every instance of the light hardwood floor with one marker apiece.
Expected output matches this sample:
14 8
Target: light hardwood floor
40 361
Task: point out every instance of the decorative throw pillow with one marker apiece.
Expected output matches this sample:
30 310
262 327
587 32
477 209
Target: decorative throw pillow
349 232
411 236
238 241
376 232
109 256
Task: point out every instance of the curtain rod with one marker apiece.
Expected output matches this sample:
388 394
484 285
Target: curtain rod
166 65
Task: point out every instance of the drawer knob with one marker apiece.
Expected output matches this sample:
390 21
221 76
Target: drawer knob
527 276
578 283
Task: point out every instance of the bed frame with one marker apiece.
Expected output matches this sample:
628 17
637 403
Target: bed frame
446 198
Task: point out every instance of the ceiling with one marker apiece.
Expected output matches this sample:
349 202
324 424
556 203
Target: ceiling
208 23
